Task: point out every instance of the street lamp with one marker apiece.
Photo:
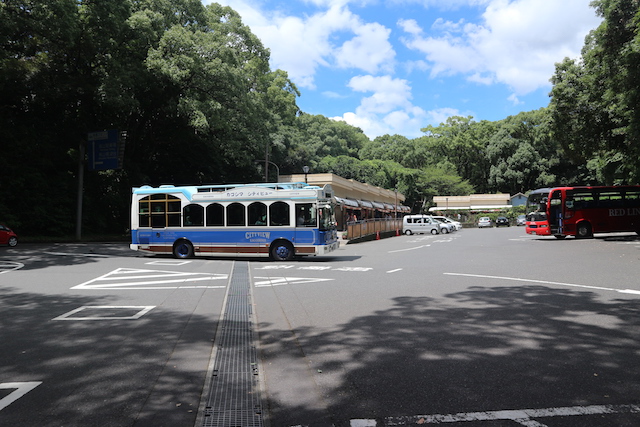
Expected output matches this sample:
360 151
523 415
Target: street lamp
305 169
267 162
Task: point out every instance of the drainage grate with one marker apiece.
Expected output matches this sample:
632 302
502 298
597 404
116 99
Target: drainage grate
234 397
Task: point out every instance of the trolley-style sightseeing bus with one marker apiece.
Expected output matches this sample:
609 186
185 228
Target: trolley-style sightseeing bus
583 211
536 212
280 220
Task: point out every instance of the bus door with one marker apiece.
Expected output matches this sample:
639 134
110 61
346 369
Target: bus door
556 212
306 223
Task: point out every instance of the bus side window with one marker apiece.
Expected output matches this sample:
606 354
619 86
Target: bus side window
236 215
215 215
632 199
257 213
193 216
304 215
279 214
144 217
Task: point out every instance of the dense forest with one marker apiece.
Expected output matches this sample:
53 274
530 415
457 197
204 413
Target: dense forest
192 86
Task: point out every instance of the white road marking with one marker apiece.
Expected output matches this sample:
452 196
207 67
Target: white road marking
142 310
167 262
275 267
22 388
280 281
522 416
72 254
394 271
6 266
409 249
131 278
545 282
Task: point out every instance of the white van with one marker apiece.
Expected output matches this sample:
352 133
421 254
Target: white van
420 224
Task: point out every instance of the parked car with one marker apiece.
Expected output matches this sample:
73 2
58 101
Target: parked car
446 220
420 224
7 237
484 221
521 220
501 220
445 227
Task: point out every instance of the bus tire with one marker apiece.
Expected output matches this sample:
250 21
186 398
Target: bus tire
182 249
583 231
282 250
408 232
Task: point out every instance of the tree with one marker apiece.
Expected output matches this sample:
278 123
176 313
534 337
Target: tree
522 154
462 141
595 99
191 85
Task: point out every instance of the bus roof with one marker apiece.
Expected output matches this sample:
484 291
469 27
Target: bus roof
540 191
190 190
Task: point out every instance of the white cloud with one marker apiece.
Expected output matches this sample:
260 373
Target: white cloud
369 50
389 110
301 45
517 43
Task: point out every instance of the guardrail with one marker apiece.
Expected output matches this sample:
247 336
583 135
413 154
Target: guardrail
368 227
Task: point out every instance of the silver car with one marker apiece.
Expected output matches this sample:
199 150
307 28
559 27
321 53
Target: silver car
445 227
456 224
484 221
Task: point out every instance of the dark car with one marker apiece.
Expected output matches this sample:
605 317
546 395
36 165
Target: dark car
7 237
501 220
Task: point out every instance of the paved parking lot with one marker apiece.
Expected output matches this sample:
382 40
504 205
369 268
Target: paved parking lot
483 327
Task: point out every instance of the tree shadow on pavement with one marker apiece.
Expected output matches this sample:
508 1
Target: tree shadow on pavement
485 349
109 372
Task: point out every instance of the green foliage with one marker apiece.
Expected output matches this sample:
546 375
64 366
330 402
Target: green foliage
594 100
191 85
522 154
462 142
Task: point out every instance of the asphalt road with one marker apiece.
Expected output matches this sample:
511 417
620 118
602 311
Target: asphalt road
482 327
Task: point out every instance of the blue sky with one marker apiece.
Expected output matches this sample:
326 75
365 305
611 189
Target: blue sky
396 66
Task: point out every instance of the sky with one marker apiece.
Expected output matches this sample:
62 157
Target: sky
397 66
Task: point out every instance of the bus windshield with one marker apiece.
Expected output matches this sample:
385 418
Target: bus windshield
325 215
537 206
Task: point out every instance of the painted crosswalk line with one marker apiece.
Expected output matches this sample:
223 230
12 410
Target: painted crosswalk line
132 278
281 281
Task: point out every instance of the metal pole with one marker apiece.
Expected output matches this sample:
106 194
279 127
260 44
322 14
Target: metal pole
266 162
80 191
305 169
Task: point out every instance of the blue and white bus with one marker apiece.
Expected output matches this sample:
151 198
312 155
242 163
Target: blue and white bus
280 220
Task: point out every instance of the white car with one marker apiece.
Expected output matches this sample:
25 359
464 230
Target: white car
485 221
445 227
412 224
456 224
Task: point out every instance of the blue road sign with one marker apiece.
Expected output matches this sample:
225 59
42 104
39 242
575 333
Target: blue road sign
105 150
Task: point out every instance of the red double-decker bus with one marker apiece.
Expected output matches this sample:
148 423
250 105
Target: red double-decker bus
536 212
583 211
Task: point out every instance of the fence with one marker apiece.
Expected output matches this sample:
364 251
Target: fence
369 227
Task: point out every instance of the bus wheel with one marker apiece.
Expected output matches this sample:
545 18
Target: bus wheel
584 230
408 232
183 249
282 251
